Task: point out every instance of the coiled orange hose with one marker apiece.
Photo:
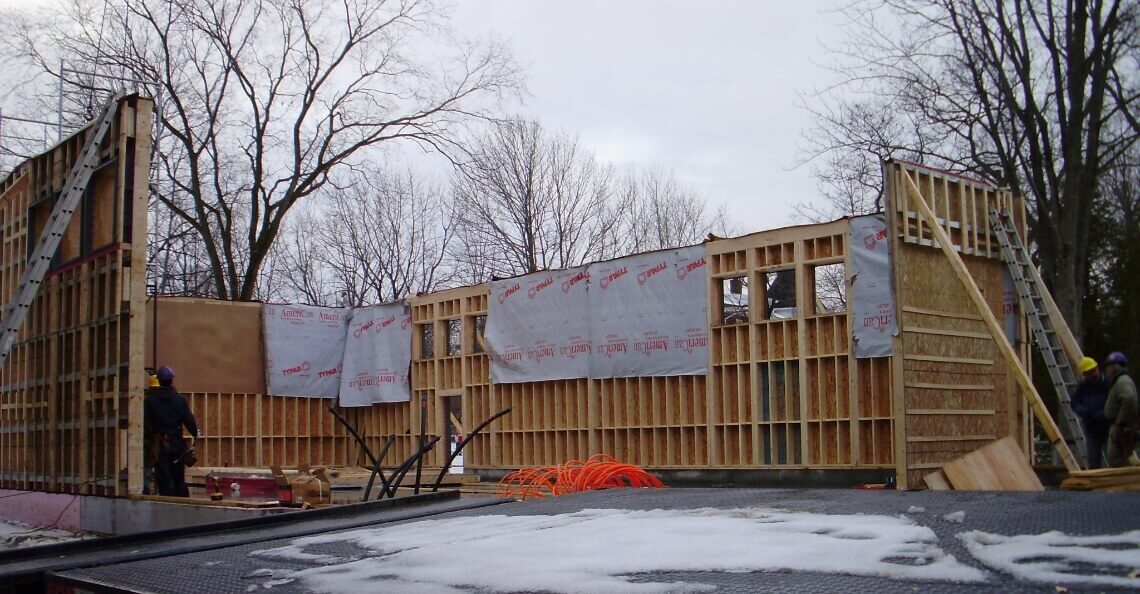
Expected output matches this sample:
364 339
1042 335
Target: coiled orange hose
600 471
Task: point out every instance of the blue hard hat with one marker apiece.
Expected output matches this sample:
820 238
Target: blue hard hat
1116 358
165 374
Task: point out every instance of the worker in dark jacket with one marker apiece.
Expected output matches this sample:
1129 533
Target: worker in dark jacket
1088 402
166 413
1122 410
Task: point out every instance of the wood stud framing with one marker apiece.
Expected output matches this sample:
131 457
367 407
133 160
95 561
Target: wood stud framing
71 389
784 390
959 392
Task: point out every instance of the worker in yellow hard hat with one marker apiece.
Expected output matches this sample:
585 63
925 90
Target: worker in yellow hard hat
1088 401
150 444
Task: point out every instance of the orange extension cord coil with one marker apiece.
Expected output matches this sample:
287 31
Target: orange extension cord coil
600 471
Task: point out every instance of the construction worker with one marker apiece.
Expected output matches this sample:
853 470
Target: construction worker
1088 402
150 439
166 412
1121 410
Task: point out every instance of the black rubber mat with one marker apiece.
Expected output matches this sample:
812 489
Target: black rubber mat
233 569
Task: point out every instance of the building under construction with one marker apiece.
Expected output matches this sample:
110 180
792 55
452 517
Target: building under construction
784 388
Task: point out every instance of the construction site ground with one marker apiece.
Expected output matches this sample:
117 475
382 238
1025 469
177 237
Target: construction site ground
223 563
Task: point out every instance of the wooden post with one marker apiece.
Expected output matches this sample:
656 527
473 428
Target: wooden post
991 324
803 306
135 283
898 346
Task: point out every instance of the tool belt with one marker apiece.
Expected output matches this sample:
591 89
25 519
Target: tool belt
167 442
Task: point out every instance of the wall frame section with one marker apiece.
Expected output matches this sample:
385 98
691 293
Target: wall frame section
71 388
785 390
959 392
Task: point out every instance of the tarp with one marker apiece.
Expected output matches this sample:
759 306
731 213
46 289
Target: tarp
377 356
537 327
872 298
304 345
649 314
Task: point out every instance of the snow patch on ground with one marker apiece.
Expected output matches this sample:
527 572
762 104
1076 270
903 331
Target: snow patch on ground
957 517
595 550
1055 557
14 535
914 509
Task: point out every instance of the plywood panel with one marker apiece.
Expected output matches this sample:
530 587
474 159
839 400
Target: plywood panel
999 466
958 391
213 346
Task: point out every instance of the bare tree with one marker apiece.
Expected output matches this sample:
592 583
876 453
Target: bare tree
176 262
378 238
1036 95
296 265
654 212
1112 306
531 200
263 100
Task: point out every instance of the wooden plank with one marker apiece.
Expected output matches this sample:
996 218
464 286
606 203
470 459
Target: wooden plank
942 359
1104 479
898 347
936 481
803 304
998 335
999 466
947 332
944 438
948 411
940 313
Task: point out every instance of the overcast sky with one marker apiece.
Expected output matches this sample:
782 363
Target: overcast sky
706 89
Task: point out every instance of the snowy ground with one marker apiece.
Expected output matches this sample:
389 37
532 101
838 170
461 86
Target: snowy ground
597 550
727 540
14 535
594 550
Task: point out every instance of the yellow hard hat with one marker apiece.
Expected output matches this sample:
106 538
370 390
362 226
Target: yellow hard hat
1087 364
154 378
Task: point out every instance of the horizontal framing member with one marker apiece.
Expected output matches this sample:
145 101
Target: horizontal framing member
947 438
929 386
940 332
941 359
940 313
949 411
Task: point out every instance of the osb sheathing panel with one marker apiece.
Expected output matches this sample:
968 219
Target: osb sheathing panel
213 346
959 393
71 387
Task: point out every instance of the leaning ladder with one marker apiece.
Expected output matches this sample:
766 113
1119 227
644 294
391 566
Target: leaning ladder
1030 291
48 242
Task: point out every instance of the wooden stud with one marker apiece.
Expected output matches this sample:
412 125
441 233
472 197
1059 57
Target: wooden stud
896 395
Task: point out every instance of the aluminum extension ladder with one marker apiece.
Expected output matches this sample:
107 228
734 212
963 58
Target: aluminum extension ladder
1030 292
72 191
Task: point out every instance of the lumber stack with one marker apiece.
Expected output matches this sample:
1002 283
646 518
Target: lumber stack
999 466
1104 479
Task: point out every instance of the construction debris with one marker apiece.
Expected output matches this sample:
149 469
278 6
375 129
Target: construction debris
1104 479
999 466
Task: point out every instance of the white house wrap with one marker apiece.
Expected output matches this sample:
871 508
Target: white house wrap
537 327
304 345
872 299
377 355
649 314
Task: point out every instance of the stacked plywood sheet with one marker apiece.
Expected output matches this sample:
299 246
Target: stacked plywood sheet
999 466
1104 479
